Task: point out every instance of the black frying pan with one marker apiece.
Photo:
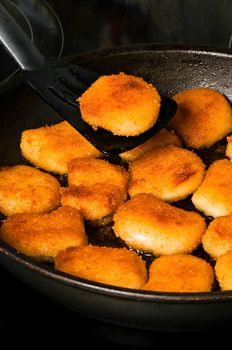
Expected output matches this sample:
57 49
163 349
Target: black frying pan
171 69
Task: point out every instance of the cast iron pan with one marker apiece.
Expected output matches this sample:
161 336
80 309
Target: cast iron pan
171 68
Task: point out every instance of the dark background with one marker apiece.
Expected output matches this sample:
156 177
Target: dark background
31 319
94 24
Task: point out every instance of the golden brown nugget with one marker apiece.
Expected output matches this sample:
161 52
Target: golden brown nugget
151 225
52 147
96 187
113 266
170 173
42 236
26 189
89 172
180 273
203 117
217 238
162 138
214 195
123 104
94 202
223 270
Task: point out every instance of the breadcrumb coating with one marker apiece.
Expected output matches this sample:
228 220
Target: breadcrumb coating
180 273
170 173
149 224
203 117
42 236
217 238
94 202
123 104
113 266
223 270
27 189
52 147
214 195
161 139
96 187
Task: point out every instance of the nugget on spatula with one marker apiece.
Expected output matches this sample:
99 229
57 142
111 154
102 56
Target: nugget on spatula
124 104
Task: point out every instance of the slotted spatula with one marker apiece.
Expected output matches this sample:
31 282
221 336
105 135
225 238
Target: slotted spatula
59 84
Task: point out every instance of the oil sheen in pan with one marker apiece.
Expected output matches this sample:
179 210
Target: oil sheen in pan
104 235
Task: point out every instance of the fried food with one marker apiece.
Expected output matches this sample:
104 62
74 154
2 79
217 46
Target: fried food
113 266
203 117
96 187
180 273
223 270
170 173
26 189
162 138
217 238
88 172
214 195
94 202
123 104
52 147
42 236
149 224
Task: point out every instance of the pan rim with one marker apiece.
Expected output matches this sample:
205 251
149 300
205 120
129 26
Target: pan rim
94 287
104 289
159 47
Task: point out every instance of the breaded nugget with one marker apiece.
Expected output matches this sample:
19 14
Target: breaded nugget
223 270
217 238
228 151
52 147
94 202
162 138
203 117
180 273
123 104
26 189
88 172
214 196
147 223
96 187
114 266
42 236
170 173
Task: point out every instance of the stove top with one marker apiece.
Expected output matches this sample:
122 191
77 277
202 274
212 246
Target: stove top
61 28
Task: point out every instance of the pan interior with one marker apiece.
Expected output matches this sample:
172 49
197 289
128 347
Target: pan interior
171 69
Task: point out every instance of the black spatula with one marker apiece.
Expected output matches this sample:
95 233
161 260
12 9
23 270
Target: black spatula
59 84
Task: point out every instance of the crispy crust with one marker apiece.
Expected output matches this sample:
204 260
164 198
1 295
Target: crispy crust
217 239
151 225
52 147
214 196
113 266
180 273
88 172
94 202
203 117
161 139
26 189
96 187
42 236
223 270
124 104
170 173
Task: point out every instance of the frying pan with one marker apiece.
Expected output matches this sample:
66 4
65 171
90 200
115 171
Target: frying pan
171 68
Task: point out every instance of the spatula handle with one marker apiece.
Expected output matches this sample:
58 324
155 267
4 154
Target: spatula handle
17 43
